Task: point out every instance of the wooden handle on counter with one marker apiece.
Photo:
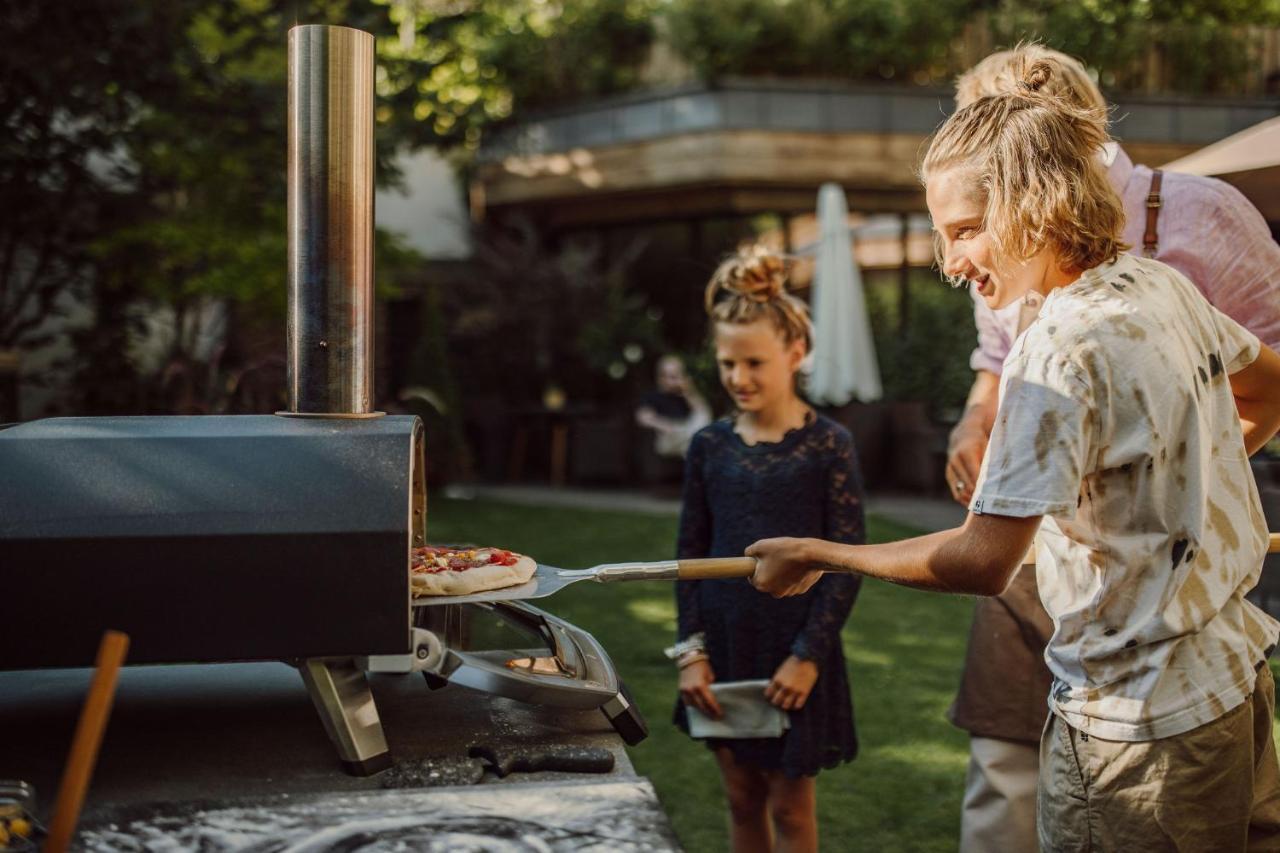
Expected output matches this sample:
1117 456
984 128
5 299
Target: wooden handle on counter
1273 547
711 568
84 746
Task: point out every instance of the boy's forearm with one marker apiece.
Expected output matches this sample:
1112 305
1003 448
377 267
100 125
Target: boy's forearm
977 558
936 562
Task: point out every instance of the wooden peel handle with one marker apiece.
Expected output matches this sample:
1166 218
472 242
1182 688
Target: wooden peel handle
711 568
84 746
1273 547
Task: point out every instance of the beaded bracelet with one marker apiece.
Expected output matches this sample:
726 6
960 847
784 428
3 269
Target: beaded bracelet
690 658
694 642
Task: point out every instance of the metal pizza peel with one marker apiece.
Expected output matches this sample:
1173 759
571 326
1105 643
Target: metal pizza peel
548 580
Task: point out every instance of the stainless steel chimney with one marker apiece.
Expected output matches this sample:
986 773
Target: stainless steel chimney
331 157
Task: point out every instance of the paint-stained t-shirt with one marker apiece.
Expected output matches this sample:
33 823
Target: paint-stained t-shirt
1117 423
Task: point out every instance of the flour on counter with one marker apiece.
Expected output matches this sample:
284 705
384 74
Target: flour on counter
514 818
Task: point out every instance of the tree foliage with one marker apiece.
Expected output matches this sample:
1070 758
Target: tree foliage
70 82
567 316
1200 44
142 161
848 39
1199 47
929 358
452 68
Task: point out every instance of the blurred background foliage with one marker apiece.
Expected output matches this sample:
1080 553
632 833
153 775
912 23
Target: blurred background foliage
849 39
565 316
927 357
1201 47
142 163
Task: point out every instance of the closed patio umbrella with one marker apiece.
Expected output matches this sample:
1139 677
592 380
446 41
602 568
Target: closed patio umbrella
844 356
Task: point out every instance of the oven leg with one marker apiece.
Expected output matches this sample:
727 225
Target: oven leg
341 695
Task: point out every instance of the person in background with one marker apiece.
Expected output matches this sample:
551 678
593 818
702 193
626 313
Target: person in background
675 411
1206 230
773 467
1126 415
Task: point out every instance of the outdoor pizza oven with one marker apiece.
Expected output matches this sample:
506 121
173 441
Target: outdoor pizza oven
280 536
209 538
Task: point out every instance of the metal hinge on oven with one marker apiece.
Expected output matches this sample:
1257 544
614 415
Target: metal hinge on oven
427 654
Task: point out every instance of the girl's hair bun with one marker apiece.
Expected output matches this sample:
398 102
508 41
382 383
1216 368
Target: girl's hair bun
752 283
753 273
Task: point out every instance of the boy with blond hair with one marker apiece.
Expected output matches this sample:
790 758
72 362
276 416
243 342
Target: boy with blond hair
1126 412
1213 235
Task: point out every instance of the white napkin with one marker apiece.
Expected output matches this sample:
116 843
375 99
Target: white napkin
747 714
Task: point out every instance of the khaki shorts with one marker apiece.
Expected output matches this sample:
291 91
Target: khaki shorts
1214 788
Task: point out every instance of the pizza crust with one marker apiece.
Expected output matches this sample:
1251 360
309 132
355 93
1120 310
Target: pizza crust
479 579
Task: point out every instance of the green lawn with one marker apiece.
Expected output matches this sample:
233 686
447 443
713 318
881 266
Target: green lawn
904 648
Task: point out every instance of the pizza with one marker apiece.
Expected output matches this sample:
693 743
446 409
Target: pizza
463 571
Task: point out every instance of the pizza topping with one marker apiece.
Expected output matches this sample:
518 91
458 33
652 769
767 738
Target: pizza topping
431 560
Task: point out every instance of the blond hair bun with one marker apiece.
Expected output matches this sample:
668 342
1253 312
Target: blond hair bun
752 284
753 273
1037 77
1017 71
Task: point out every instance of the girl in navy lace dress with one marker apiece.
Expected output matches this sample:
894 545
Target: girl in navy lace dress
772 468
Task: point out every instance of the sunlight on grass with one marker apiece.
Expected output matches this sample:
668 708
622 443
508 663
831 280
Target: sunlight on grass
866 657
924 754
660 612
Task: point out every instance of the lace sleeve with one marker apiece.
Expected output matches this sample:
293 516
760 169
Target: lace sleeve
694 539
843 521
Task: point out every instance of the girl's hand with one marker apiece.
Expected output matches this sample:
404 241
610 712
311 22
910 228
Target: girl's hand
695 688
791 684
783 567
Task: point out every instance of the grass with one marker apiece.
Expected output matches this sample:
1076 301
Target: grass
904 648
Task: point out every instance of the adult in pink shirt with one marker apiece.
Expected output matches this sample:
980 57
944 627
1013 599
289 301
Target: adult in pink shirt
1207 230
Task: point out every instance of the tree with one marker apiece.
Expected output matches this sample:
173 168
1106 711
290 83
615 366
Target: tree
151 162
846 39
454 68
1200 44
70 81
144 145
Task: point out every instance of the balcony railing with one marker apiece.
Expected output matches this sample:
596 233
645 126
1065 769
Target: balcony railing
828 107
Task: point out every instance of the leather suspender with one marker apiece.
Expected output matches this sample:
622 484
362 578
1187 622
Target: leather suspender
1151 238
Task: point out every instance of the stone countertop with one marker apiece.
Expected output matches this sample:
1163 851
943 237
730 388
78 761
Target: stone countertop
603 817
237 732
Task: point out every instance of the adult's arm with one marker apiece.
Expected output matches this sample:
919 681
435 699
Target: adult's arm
698 408
977 558
647 417
1239 262
968 441
1256 388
